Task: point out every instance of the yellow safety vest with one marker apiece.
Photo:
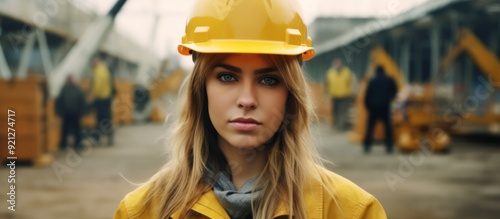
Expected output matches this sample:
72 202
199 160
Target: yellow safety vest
339 83
101 83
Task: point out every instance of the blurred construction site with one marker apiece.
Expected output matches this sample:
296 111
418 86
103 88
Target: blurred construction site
443 54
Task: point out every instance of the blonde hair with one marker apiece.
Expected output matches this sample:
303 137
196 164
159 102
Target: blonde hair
291 156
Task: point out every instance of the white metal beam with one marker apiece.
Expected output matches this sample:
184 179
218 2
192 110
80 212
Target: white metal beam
62 51
48 65
22 71
78 57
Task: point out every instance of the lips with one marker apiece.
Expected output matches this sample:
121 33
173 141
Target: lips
245 124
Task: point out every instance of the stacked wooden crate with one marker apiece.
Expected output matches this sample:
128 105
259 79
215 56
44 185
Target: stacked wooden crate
123 102
27 98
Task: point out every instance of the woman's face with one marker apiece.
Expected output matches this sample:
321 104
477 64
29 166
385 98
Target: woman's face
246 100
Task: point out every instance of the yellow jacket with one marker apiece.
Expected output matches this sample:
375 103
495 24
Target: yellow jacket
350 202
339 83
101 83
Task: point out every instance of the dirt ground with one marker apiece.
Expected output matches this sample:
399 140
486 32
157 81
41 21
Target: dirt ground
461 184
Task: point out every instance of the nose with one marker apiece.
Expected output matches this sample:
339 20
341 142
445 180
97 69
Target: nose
246 99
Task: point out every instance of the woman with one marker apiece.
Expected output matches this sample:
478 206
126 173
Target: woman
241 146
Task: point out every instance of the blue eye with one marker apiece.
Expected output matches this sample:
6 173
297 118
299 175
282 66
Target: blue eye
226 78
269 81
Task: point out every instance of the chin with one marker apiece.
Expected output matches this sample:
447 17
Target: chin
246 142
245 145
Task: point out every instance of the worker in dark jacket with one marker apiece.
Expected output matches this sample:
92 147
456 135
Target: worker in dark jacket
380 92
71 106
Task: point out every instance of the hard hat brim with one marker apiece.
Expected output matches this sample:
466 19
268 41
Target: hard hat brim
246 46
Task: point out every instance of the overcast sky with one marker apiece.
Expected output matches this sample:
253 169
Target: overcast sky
136 18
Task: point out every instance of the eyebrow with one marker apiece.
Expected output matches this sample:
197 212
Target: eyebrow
238 70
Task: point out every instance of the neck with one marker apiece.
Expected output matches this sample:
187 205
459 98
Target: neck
244 163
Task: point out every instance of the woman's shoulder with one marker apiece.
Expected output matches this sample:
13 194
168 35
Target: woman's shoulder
133 205
342 197
341 186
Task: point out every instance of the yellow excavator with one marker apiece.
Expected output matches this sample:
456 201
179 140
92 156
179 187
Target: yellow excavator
485 59
418 123
489 64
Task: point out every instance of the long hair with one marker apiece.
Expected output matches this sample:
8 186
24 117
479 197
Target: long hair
291 155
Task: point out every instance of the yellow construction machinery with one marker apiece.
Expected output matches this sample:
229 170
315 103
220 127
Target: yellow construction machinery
419 122
485 59
163 92
488 63
410 122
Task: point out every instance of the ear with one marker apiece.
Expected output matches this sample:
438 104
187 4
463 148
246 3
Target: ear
300 60
194 55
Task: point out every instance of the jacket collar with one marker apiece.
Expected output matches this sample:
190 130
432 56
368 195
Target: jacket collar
209 206
313 199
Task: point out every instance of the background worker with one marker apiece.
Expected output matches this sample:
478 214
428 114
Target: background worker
71 106
339 80
101 95
380 92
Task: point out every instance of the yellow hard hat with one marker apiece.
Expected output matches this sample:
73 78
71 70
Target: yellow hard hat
247 26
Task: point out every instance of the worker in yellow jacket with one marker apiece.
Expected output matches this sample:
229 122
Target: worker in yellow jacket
241 146
101 95
339 80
